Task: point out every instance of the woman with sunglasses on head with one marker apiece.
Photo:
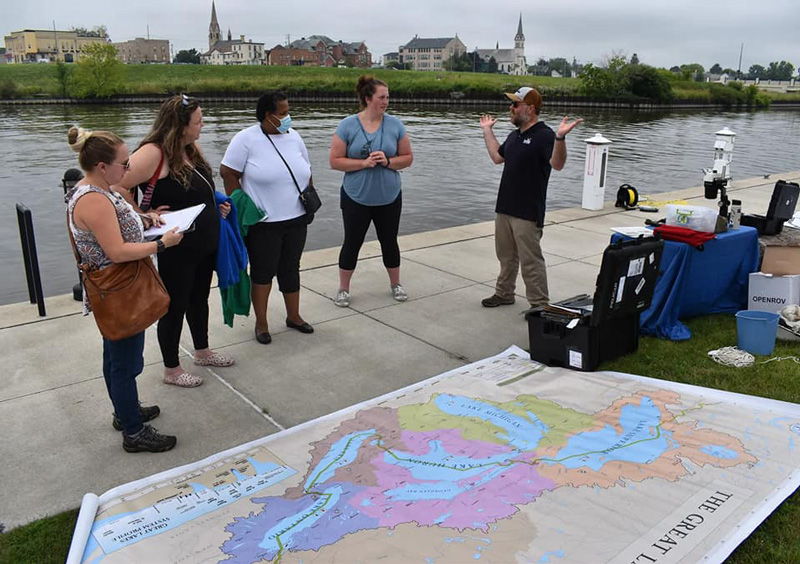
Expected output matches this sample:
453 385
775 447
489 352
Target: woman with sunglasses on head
370 147
269 163
107 230
170 170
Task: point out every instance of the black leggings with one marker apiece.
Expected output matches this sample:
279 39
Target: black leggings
274 249
187 277
357 218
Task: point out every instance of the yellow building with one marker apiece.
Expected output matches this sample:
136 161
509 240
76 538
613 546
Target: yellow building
34 45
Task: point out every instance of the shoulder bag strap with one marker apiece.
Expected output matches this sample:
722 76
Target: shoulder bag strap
296 185
148 193
72 242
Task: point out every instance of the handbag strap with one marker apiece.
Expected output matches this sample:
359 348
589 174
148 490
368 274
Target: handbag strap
72 243
296 185
148 193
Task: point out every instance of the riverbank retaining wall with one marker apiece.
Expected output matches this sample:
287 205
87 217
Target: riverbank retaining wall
568 102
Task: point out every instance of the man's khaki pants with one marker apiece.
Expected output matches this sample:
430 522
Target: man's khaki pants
517 244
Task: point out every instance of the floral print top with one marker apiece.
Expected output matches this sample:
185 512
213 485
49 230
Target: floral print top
89 250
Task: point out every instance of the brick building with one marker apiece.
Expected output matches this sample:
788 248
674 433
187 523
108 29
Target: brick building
141 50
321 51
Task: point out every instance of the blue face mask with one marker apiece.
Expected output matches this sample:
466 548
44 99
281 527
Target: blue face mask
285 124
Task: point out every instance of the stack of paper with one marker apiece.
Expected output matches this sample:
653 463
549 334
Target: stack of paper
633 232
794 222
182 219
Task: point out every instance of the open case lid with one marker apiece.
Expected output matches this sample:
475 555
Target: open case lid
627 278
783 201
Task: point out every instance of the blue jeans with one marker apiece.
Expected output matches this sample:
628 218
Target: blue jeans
122 363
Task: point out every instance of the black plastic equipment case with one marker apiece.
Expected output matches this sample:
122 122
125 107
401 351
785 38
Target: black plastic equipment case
623 290
781 209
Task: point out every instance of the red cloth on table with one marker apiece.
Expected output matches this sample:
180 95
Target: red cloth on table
684 235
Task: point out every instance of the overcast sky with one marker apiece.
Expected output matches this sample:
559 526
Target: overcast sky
662 33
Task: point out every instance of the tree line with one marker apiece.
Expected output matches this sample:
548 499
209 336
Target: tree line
620 78
776 70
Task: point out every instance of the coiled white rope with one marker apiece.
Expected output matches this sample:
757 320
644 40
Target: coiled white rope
736 357
732 356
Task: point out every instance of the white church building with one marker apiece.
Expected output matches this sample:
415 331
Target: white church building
510 61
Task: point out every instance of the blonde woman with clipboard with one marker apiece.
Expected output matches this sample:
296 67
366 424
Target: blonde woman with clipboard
173 175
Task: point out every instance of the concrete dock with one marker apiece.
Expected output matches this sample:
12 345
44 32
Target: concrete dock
57 442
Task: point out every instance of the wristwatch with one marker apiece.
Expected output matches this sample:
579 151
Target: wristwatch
160 246
387 162
560 138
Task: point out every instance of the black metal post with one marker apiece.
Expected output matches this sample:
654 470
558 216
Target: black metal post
23 238
71 177
30 257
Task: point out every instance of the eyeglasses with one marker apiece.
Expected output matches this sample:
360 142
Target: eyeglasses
126 165
516 104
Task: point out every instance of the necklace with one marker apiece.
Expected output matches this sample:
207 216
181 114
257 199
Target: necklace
368 147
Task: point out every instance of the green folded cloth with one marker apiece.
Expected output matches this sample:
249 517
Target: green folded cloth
236 298
248 212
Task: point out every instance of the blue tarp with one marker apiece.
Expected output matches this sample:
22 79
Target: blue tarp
695 282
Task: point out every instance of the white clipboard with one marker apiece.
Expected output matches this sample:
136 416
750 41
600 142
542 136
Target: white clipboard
182 219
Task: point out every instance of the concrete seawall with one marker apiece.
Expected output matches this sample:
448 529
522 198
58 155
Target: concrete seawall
563 102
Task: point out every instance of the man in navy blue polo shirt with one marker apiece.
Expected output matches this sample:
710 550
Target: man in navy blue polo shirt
528 153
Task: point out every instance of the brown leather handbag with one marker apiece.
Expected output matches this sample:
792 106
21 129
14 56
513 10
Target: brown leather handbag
126 298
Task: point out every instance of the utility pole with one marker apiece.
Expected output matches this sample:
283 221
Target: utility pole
739 71
148 32
55 33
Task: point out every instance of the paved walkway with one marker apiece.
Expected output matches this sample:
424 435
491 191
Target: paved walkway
57 442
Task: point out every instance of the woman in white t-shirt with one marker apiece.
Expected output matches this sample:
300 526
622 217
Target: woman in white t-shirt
258 161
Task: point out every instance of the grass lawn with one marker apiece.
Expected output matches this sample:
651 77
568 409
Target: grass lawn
41 79
33 80
777 540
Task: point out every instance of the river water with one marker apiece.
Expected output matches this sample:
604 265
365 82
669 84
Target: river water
452 181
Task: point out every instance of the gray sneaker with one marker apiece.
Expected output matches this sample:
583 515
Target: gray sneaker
399 293
342 298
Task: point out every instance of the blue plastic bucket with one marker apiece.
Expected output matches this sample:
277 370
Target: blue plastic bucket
756 331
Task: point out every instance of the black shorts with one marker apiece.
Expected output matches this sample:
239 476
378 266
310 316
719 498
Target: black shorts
275 249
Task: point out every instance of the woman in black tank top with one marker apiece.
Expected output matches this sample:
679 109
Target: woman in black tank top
172 174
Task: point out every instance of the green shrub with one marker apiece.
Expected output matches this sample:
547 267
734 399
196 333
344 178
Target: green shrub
726 96
99 73
8 89
646 82
755 98
626 81
602 82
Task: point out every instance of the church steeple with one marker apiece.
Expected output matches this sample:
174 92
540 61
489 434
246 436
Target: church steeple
520 65
213 28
